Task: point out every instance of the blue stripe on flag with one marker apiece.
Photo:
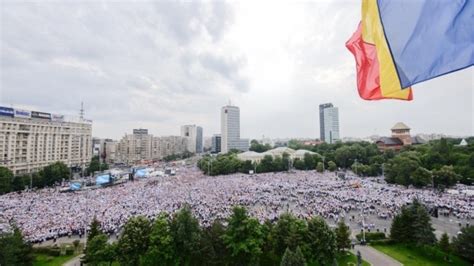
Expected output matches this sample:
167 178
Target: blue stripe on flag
428 38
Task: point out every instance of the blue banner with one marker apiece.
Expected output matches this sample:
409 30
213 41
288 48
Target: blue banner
7 111
75 186
102 179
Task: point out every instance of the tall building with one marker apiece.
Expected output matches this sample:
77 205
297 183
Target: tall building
195 138
230 130
31 140
135 147
110 151
169 145
328 123
216 143
106 149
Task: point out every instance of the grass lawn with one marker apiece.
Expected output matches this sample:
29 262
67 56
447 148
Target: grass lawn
45 260
349 259
414 256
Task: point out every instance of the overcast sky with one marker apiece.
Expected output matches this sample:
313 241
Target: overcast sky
164 64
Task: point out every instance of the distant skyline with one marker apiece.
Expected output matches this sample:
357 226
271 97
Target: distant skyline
163 65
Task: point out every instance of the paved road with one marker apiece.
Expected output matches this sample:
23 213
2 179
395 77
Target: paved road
76 261
375 257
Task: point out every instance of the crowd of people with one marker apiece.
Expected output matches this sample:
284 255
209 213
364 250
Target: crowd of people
49 214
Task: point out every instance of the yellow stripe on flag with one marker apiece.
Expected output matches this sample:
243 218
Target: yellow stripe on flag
372 32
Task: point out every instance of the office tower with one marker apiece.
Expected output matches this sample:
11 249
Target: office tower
329 123
194 136
230 130
216 143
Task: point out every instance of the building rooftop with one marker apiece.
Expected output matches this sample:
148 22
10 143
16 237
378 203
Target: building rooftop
400 126
390 141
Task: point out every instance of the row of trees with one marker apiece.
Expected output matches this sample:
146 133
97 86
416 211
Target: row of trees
229 163
48 176
174 157
258 147
14 250
242 241
96 166
412 226
439 163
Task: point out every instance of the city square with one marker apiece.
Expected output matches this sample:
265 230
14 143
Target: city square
48 214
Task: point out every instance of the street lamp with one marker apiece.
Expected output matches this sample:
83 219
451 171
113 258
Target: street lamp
383 170
324 158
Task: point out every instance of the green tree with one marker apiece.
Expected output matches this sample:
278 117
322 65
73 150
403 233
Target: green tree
14 250
94 229
399 230
246 166
160 249
320 167
332 166
266 164
18 182
413 225
53 173
293 258
6 177
258 147
214 251
243 238
343 233
299 164
445 177
95 165
278 164
186 235
309 161
268 248
400 169
133 242
285 160
95 250
444 244
422 177
464 243
288 232
321 241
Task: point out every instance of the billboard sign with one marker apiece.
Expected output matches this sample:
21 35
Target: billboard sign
57 118
40 115
6 111
22 113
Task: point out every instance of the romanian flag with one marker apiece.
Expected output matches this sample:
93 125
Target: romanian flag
376 74
403 42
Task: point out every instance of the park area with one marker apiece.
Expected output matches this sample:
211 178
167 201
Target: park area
411 255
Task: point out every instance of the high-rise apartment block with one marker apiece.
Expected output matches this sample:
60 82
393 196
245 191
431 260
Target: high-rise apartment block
194 136
141 146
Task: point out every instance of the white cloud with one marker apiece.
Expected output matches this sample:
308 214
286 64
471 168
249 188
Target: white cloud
160 65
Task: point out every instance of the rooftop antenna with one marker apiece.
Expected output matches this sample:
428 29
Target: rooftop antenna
230 102
81 112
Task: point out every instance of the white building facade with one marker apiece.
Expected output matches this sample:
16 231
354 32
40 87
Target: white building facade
31 140
230 130
194 135
141 146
